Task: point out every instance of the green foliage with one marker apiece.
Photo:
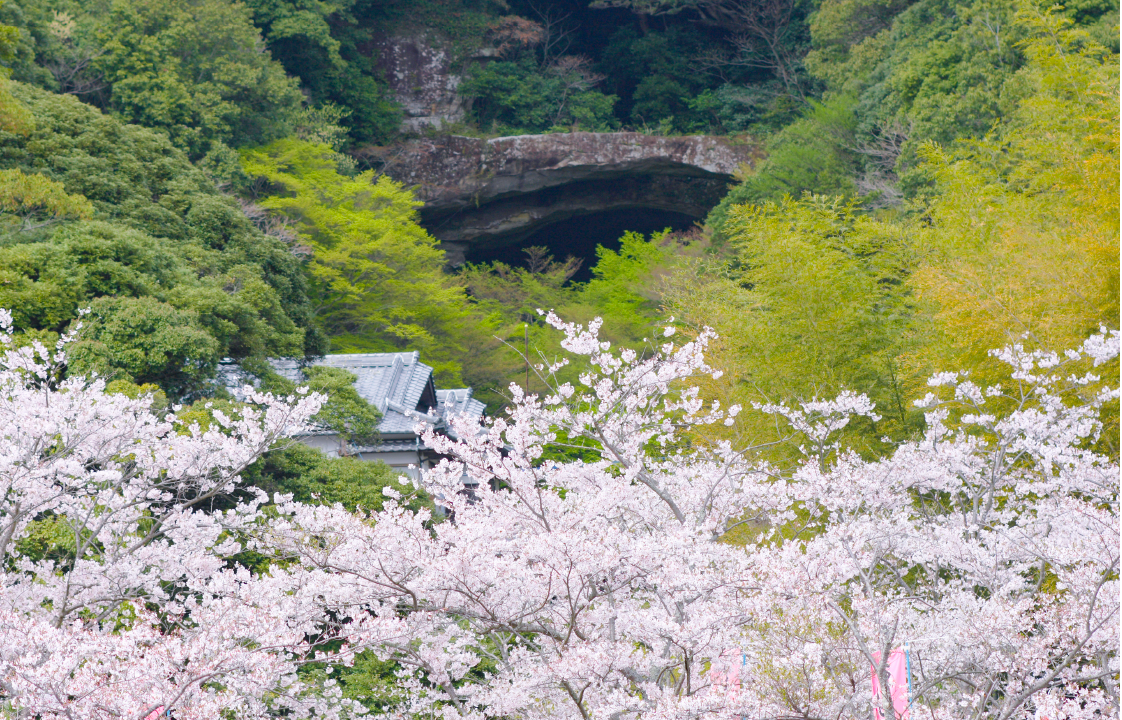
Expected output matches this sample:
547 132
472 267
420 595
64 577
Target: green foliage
652 75
194 68
191 68
624 289
49 538
898 73
345 411
505 301
1018 242
326 45
936 66
1023 244
32 25
813 302
519 96
624 293
371 681
14 117
311 476
48 281
150 341
521 291
34 200
161 231
842 24
813 154
377 277
755 108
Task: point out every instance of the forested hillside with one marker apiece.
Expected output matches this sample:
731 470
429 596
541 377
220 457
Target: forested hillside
195 173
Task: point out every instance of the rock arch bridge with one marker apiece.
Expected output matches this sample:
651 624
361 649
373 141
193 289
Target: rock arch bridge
481 194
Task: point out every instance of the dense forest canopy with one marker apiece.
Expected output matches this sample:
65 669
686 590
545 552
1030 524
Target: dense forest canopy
195 173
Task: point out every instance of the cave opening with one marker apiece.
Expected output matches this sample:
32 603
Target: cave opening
580 235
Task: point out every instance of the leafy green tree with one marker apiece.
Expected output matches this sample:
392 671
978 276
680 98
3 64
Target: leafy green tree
765 37
812 302
841 24
150 341
544 282
1023 239
197 70
934 66
377 277
652 74
345 411
48 281
915 71
29 33
312 477
624 292
505 300
814 154
29 200
521 96
36 201
326 45
161 230
625 289
1018 242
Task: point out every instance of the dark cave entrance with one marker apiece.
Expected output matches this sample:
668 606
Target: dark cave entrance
579 236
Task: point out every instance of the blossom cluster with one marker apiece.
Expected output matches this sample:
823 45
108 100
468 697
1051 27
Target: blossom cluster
583 567
605 588
116 597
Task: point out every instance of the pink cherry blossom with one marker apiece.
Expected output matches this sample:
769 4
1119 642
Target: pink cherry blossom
601 588
138 608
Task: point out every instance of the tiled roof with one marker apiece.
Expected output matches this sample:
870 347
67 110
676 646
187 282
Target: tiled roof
391 446
398 384
395 383
459 401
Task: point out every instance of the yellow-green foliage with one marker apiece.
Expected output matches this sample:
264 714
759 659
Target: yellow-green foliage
1024 232
378 279
14 116
1019 242
811 304
624 292
33 196
624 289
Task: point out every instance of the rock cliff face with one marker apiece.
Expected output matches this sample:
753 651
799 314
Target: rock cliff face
418 70
487 193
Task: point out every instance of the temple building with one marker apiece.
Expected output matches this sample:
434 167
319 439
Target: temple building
401 387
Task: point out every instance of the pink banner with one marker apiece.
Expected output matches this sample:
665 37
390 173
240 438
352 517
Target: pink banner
724 674
897 682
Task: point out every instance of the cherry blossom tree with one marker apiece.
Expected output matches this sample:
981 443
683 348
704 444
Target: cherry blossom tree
116 594
607 587
991 547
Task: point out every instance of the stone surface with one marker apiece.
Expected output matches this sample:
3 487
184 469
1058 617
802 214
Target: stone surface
418 70
487 193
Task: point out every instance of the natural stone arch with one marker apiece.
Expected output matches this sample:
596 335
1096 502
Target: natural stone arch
482 193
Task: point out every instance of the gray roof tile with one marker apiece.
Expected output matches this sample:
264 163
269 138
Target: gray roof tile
398 384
